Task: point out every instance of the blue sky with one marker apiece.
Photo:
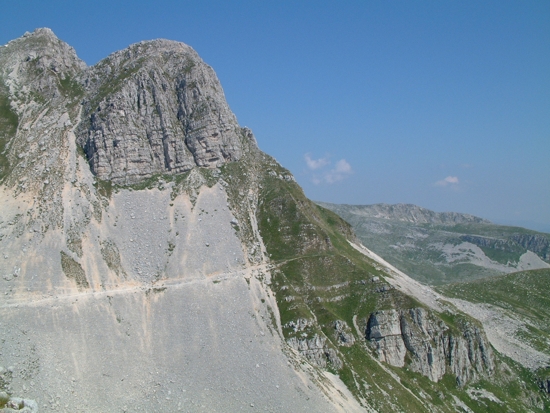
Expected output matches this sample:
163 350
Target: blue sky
444 104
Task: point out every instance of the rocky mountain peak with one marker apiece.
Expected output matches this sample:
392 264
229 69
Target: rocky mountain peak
39 93
37 54
154 108
42 31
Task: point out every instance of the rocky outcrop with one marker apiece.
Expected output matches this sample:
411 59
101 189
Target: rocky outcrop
433 347
153 108
300 324
538 243
316 351
384 329
314 348
342 334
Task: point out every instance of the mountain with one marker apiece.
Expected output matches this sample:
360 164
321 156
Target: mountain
444 247
155 259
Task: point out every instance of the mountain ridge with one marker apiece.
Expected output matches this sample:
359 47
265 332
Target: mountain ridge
412 213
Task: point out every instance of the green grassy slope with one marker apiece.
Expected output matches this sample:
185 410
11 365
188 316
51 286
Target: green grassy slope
319 276
525 294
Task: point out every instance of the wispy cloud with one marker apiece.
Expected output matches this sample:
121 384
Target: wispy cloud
314 164
339 172
328 176
450 180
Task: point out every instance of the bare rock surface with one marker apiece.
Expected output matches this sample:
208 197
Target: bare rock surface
431 345
384 330
156 107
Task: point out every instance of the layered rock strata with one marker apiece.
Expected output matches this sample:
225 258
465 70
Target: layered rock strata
316 351
155 108
433 347
313 346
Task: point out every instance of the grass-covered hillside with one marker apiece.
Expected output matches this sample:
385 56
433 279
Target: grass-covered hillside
523 295
326 291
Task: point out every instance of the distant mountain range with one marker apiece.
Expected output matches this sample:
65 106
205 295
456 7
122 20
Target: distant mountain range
444 247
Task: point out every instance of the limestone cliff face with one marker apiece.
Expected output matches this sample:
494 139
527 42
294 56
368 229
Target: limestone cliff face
153 108
433 348
384 330
316 351
37 92
313 346
538 243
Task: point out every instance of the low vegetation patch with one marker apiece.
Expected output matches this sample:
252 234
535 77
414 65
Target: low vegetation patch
74 271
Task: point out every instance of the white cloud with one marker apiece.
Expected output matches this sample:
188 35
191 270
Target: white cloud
316 180
339 172
343 167
322 174
314 164
450 180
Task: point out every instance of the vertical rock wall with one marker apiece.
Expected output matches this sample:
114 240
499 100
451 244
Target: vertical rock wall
433 347
153 108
